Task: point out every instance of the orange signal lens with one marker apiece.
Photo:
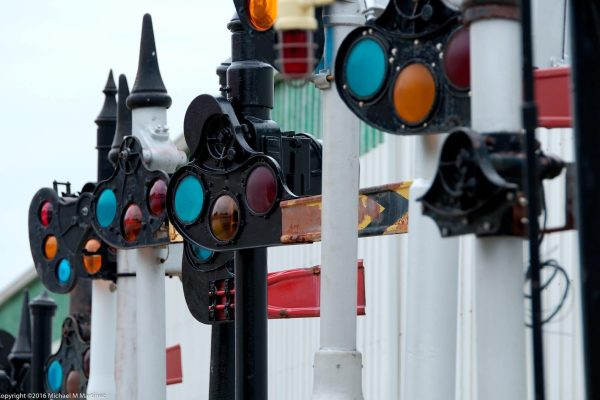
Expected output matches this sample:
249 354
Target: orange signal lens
262 13
50 247
92 262
224 218
414 93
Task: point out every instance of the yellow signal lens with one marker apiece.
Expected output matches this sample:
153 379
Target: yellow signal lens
262 13
414 93
225 218
50 247
92 262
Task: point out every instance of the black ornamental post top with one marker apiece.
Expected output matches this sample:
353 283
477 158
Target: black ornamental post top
123 120
21 350
109 109
148 89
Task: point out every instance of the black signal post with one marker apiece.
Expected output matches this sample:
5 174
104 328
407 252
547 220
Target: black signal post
42 311
586 86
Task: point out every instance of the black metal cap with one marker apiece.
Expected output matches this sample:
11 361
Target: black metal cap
21 350
108 113
123 120
43 303
148 89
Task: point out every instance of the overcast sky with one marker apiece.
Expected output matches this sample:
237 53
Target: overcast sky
54 60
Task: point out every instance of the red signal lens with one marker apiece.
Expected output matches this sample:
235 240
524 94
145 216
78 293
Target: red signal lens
157 197
132 222
46 211
296 53
225 218
457 59
261 190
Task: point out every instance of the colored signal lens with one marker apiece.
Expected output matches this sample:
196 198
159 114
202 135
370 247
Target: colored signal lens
50 247
414 93
63 272
86 363
261 13
132 222
296 53
457 59
366 68
157 197
46 211
92 262
73 382
261 190
225 218
201 253
55 375
106 208
189 199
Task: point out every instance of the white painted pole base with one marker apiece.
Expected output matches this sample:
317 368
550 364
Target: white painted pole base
338 375
429 351
126 354
103 340
151 341
499 319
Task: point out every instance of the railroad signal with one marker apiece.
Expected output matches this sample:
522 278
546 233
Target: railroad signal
67 371
227 198
63 245
407 72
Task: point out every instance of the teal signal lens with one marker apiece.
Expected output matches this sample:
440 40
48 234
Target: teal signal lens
189 199
55 375
106 208
201 253
64 271
366 68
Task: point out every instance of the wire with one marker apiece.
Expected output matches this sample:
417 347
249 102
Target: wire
552 263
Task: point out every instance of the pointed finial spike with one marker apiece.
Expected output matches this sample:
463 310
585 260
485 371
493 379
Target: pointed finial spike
108 113
123 120
110 86
21 350
148 89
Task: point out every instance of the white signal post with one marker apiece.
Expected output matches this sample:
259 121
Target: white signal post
431 293
338 364
149 102
496 98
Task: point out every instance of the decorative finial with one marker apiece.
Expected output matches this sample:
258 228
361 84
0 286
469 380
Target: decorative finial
108 113
148 89
21 350
123 120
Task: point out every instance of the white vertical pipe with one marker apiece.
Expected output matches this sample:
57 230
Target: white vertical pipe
103 339
126 349
338 366
431 300
150 293
499 316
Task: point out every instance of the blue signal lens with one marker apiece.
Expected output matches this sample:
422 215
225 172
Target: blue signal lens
106 208
55 375
64 271
201 253
366 68
189 199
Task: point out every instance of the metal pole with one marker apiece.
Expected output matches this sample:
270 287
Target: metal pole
103 325
338 365
42 310
431 305
126 346
251 324
496 96
222 362
586 86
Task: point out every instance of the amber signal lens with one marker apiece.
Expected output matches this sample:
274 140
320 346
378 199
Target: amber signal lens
414 93
92 262
50 247
225 218
262 13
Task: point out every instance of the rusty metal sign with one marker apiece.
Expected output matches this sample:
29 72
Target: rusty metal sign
382 210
